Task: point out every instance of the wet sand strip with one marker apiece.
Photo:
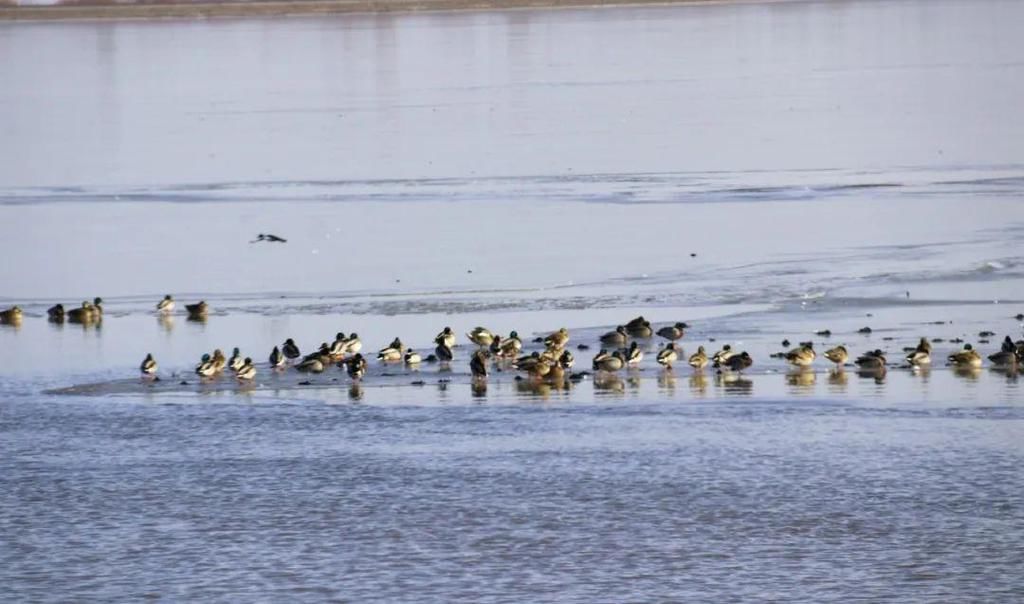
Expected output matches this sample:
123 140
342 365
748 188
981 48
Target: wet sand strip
259 8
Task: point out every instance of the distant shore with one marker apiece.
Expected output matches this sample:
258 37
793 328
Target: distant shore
259 8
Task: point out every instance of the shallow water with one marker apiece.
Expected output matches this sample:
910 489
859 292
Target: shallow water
760 171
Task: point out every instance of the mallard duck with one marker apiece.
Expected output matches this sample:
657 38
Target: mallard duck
739 362
722 355
357 367
219 360
673 332
447 336
1008 345
524 362
968 357
246 371
323 354
1005 358
198 311
480 336
392 352
82 314
310 364
802 356
96 309
56 313
566 360
609 362
873 359
922 354
495 346
290 350
412 357
338 347
165 306
668 355
633 355
276 358
636 323
510 346
557 340
837 355
148 366
206 367
615 338
699 359
643 330
11 316
236 361
478 364
353 344
534 365
443 352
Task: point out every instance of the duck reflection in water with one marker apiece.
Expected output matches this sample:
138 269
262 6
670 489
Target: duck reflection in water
734 383
355 391
609 383
478 388
802 379
838 379
699 384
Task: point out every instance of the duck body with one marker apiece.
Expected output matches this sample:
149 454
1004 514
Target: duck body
83 314
290 349
276 358
357 367
447 336
739 362
148 366
617 337
206 367
199 310
922 355
673 332
236 361
480 336
443 352
246 371
353 344
311 364
699 359
802 356
219 361
557 340
668 355
633 355
11 316
643 330
412 357
968 357
338 347
510 346
478 364
165 306
871 360
609 362
1005 358
837 355
392 352
56 313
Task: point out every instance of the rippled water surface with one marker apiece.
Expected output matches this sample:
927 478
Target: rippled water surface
764 172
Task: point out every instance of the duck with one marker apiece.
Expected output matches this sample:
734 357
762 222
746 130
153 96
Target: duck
198 311
837 355
722 355
338 347
165 306
206 367
412 357
478 364
322 354
699 359
277 359
1008 345
495 346
609 362
480 336
236 361
566 360
290 350
636 323
311 364
353 344
873 359
1005 358
739 362
246 371
534 365
617 337
443 352
633 355
97 309
357 367
56 313
557 340
83 314
801 356
920 355
968 357
148 366
219 360
510 346
11 316
392 352
673 332
668 355
643 330
447 336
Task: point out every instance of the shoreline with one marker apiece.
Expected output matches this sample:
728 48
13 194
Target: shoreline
279 8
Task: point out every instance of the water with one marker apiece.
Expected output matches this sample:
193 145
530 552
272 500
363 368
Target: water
761 171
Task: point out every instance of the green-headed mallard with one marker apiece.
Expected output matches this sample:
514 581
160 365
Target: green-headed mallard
236 361
198 311
525 362
412 357
739 362
206 367
447 336
165 306
557 340
873 359
443 352
338 347
478 364
699 359
277 359
837 355
290 349
392 352
148 366
246 371
668 355
56 313
609 362
356 367
480 336
617 337
510 346
722 355
566 360
353 344
801 356
11 316
673 332
968 357
633 355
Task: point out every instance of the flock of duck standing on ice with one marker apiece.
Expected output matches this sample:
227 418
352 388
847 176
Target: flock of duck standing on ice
553 361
